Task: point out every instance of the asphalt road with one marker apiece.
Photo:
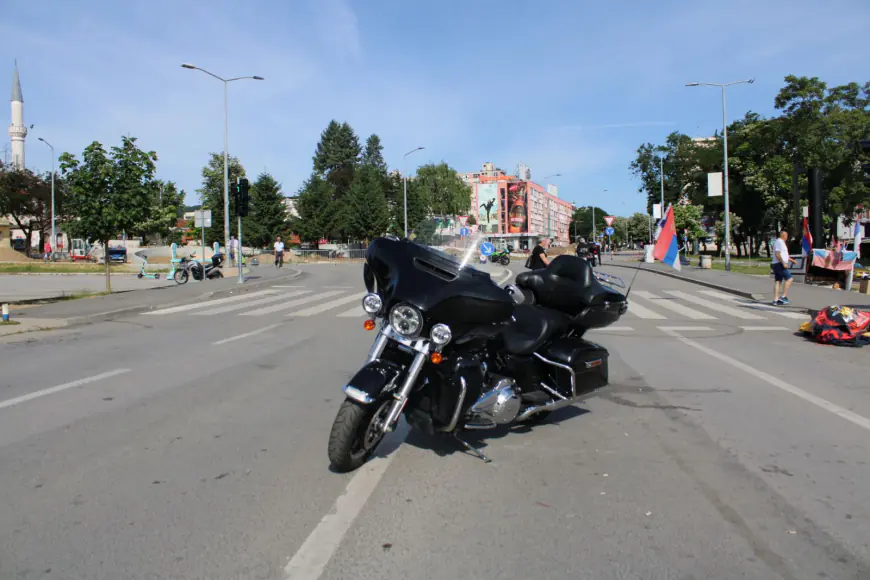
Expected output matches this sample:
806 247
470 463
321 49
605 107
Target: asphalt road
190 442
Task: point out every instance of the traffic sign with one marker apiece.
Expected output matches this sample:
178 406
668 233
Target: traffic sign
464 232
202 218
609 231
487 249
608 219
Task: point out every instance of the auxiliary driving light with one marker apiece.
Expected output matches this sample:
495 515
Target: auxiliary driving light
372 303
441 334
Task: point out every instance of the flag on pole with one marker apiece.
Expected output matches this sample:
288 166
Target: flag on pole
806 240
667 249
859 235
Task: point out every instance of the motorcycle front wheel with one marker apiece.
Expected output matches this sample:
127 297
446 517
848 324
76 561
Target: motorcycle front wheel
356 433
181 276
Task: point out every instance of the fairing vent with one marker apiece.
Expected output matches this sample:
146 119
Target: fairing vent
431 268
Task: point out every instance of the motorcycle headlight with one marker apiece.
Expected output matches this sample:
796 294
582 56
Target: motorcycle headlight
406 320
441 334
372 303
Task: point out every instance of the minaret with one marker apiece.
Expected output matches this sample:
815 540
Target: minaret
17 130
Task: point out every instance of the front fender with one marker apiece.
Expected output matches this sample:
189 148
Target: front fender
371 382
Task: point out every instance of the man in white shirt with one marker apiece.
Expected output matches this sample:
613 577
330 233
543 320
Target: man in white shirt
779 265
279 252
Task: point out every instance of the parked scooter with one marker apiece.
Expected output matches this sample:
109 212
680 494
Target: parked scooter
191 268
143 274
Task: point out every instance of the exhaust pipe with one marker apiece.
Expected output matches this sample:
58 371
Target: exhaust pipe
551 406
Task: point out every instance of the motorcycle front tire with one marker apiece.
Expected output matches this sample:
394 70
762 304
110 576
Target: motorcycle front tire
355 435
505 260
181 276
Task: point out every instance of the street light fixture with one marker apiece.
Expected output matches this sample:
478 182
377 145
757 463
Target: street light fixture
53 234
226 162
405 184
725 169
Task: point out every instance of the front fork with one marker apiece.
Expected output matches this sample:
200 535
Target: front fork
400 397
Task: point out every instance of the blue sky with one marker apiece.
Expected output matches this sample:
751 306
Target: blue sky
567 87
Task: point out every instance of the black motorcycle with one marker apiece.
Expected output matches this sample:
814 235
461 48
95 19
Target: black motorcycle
189 267
455 352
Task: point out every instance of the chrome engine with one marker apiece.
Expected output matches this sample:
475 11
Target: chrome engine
497 406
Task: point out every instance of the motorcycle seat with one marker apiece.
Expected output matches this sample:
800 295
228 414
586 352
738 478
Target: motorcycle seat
567 283
530 327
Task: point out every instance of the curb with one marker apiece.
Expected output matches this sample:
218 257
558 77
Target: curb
112 314
720 287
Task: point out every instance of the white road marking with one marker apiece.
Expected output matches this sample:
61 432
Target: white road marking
755 305
257 302
59 388
284 306
207 303
841 412
735 312
669 304
683 328
315 553
328 306
354 312
341 287
508 275
636 309
764 328
247 334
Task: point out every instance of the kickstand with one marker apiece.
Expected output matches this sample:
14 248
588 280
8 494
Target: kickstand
472 450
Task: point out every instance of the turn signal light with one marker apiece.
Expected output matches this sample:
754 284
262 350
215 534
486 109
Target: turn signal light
436 358
369 324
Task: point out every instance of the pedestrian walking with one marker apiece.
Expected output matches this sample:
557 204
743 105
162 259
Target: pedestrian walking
279 252
781 274
539 258
232 250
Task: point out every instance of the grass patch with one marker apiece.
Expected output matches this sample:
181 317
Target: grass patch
69 268
9 322
740 268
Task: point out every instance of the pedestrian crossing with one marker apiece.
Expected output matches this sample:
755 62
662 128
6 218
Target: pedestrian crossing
342 302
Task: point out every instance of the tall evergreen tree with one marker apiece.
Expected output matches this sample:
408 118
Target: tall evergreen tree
337 156
373 154
212 195
316 207
367 215
268 214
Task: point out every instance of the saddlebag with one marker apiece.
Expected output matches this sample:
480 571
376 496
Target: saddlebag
587 359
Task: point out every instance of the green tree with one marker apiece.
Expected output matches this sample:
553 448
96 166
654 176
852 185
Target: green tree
445 191
687 219
639 227
337 155
212 195
418 204
109 193
581 226
317 210
366 205
268 214
166 206
373 154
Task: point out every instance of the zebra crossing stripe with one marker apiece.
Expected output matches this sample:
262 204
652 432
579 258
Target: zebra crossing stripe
354 312
328 306
636 309
293 303
206 304
241 305
752 305
668 304
735 312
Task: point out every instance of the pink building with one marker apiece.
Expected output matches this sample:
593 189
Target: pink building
507 207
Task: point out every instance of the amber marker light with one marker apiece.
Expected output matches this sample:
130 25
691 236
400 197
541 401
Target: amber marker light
436 358
369 324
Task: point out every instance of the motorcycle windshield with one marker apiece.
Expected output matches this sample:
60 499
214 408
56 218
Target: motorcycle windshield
438 270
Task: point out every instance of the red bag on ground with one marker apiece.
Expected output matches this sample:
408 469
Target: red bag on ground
839 325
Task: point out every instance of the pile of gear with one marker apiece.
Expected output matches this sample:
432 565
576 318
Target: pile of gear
839 325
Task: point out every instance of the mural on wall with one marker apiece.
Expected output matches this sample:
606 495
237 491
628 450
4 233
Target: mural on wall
487 205
517 213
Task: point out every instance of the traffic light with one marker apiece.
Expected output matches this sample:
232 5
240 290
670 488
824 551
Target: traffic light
242 197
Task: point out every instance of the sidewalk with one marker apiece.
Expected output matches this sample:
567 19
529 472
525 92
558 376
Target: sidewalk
804 297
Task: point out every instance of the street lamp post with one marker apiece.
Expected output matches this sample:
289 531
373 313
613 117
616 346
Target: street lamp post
226 154
405 184
53 234
725 155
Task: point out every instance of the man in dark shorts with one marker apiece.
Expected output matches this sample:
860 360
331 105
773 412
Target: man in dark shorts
539 258
779 265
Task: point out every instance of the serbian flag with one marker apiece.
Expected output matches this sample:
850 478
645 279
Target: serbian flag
667 249
806 240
